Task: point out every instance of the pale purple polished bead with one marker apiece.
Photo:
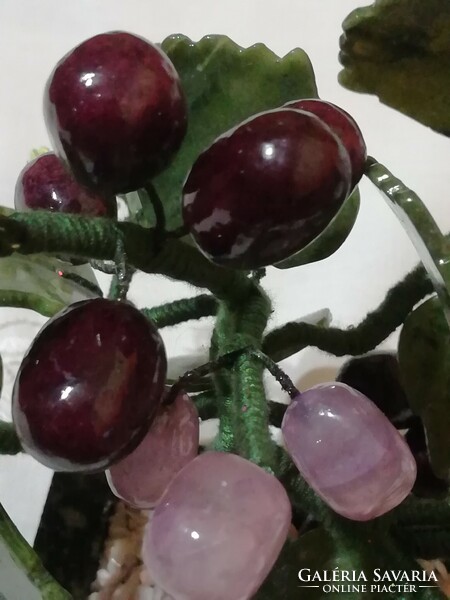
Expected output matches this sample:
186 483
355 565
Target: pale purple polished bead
348 451
218 529
172 441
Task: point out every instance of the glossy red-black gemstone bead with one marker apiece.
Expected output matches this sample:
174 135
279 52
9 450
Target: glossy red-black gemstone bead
265 189
115 111
89 386
46 184
344 126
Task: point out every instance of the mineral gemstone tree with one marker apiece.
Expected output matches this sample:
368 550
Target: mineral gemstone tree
234 520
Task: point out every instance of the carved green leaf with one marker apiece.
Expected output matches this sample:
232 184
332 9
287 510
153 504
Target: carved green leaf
73 528
424 357
9 442
43 283
313 551
22 575
224 85
400 51
331 239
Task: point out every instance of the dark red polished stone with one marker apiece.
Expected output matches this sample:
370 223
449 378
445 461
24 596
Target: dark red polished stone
46 184
344 126
89 386
264 190
115 111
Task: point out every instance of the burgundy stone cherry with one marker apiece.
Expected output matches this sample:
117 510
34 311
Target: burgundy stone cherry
89 386
115 111
348 451
46 184
141 478
344 126
264 190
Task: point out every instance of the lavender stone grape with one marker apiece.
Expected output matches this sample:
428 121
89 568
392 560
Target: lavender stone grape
115 111
46 184
141 478
218 529
89 386
348 451
265 189
344 126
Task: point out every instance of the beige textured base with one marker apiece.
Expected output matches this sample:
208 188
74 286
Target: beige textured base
121 575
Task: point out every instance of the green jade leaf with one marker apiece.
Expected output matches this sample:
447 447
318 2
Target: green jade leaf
311 552
432 246
224 85
424 358
399 50
332 237
44 284
22 576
